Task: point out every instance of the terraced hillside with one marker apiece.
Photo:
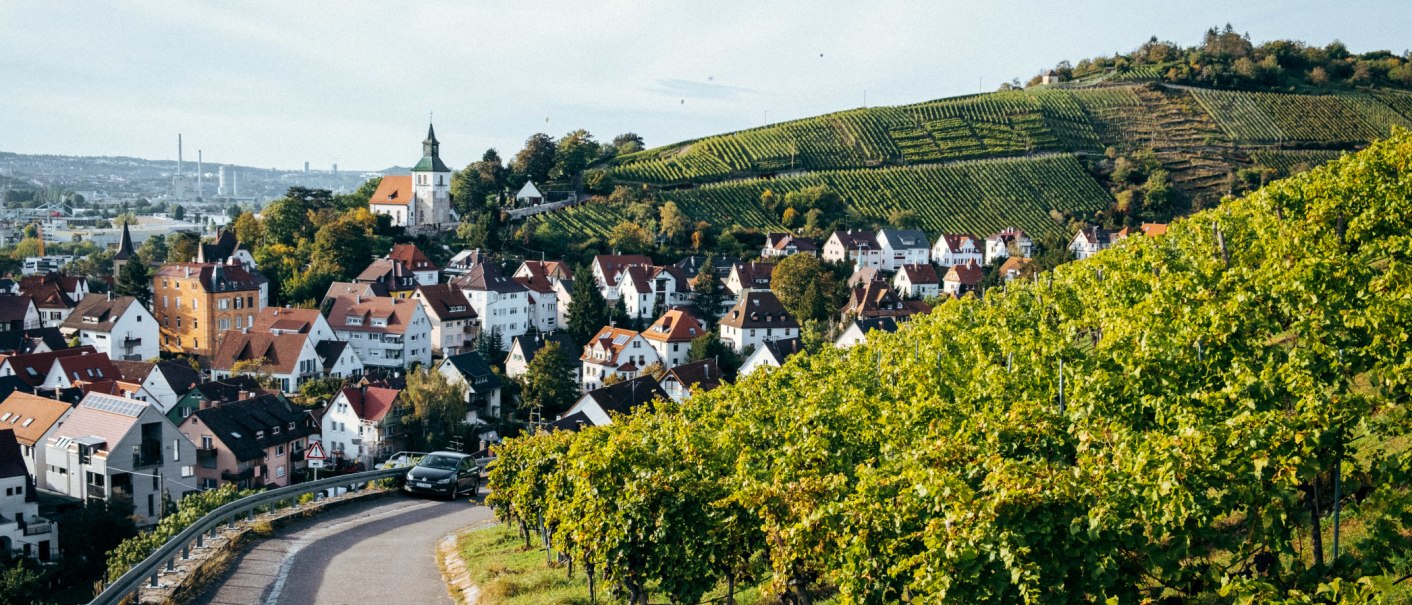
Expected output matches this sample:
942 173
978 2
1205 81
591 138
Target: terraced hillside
979 162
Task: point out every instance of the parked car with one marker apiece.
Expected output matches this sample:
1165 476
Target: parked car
444 473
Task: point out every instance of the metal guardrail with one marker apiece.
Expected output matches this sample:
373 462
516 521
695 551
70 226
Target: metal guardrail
180 546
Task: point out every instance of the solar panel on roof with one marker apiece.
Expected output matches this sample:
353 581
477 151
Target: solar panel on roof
113 405
620 339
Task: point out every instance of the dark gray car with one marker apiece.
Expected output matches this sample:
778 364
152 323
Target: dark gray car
444 473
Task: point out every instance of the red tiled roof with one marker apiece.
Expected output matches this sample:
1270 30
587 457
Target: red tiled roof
393 190
921 274
369 402
398 313
214 278
40 412
411 257
33 367
610 338
285 319
280 351
676 325
968 274
87 368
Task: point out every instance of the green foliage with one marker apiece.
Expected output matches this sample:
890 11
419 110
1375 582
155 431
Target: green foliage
806 287
21 584
90 531
710 346
588 311
707 292
535 161
1162 422
135 279
181 246
435 406
549 381
190 510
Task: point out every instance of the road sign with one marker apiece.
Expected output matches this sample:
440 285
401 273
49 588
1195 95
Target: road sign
315 455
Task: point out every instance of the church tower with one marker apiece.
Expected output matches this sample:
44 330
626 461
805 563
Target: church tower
431 185
125 253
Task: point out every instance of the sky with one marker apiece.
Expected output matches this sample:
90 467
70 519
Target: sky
275 84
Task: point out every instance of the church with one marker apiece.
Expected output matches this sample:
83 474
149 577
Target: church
421 201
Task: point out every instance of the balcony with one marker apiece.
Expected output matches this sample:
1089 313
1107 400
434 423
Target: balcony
140 460
296 456
206 457
96 492
238 476
38 527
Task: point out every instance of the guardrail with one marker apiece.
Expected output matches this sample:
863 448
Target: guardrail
180 546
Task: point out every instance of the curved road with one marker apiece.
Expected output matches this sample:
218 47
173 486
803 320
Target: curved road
378 551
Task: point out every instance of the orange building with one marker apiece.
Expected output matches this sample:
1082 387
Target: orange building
194 303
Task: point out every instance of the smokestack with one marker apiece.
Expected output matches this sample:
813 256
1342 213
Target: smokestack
178 153
199 174
234 183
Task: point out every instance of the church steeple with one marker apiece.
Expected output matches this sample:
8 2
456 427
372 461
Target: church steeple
125 252
431 154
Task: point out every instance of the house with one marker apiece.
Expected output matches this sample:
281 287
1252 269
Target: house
691 265
917 281
415 262
858 247
383 331
119 327
961 279
644 289
225 249
72 371
451 316
540 279
18 313
875 299
339 359
1090 241
563 298
1015 267
111 448
215 392
529 195
363 423
903 247
858 329
608 271
1147 229
252 443
502 304
598 406
195 302
614 352
33 419
289 359
749 277
479 384
953 249
421 201
863 276
161 384
771 355
286 320
757 318
524 347
391 275
55 295
40 340
22 530
696 377
671 336
1007 240
778 245
32 368
352 289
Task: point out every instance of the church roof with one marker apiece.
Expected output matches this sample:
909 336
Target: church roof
431 155
125 250
393 190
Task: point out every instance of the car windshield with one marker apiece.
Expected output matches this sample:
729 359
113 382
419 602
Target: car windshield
444 463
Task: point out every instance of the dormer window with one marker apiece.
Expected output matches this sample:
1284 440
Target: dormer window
354 320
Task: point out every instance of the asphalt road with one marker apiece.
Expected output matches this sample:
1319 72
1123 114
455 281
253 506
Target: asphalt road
379 551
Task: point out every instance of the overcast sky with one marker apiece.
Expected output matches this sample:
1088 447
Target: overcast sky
274 84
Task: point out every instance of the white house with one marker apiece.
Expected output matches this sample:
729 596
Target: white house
598 406
614 352
645 290
286 320
55 295
1090 241
961 279
953 249
290 359
771 355
858 247
22 530
362 423
671 336
113 447
33 419
118 327
1000 244
451 316
779 245
903 247
501 303
857 331
414 261
757 318
383 331
608 271
548 300
161 384
78 370
18 313
479 385
750 277
529 195
524 348
917 281
421 200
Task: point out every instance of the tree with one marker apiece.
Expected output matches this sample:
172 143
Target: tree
548 382
26 247
618 315
181 246
573 154
805 286
436 406
673 222
707 292
536 160
588 311
249 230
344 245
629 237
710 346
628 142
135 280
178 212
490 344
317 391
480 180
21 584
153 250
255 368
286 221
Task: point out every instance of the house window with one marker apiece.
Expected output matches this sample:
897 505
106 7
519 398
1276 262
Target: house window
279 450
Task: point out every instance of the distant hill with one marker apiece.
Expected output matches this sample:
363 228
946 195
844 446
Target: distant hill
1047 153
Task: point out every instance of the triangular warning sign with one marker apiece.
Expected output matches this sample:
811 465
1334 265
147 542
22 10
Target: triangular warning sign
316 451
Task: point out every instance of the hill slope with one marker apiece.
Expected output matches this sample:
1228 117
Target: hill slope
1200 137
